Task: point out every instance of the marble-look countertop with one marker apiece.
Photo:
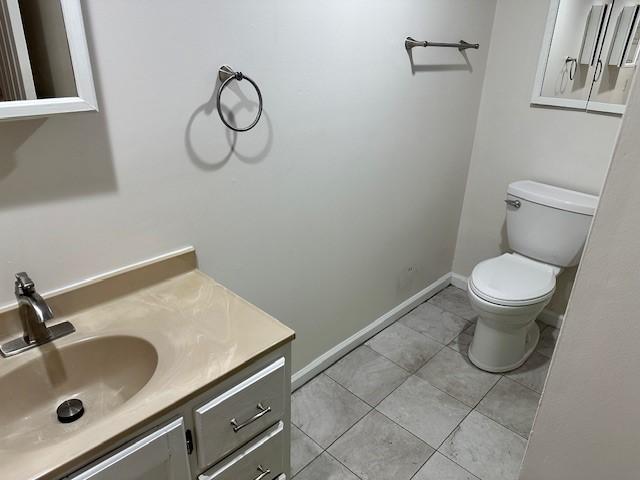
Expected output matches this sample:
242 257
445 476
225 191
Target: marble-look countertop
202 333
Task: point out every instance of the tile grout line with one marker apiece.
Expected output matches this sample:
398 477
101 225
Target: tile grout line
421 366
473 409
314 458
354 473
390 419
522 384
503 426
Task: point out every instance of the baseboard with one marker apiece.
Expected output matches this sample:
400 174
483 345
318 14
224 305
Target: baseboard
547 317
336 353
459 281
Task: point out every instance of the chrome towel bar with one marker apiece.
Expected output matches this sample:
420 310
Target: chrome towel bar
409 43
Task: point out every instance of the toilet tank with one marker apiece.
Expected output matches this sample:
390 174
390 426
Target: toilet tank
548 223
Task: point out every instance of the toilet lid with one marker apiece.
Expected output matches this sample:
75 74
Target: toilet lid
513 280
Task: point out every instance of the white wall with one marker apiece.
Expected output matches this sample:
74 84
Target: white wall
516 141
587 425
345 200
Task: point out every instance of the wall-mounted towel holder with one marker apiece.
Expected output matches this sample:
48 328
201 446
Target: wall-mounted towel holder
226 75
409 43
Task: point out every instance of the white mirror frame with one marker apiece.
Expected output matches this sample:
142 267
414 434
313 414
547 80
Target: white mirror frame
79 53
538 99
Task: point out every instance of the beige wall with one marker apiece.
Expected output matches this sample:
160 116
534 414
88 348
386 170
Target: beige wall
588 425
342 203
515 141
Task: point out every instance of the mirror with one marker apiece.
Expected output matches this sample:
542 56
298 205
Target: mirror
589 55
44 60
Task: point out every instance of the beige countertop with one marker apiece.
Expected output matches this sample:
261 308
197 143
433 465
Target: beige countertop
202 333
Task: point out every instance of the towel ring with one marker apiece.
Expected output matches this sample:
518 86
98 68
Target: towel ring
227 75
572 67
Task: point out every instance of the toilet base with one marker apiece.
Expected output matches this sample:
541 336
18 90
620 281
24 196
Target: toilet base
505 336
532 338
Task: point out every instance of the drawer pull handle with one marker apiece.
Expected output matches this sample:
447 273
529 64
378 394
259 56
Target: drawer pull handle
263 473
263 411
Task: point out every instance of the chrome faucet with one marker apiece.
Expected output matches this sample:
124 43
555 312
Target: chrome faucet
34 313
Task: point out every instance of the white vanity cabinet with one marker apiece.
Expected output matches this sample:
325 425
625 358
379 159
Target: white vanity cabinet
237 430
160 455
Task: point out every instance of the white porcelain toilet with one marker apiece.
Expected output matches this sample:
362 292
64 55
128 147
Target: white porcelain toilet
547 227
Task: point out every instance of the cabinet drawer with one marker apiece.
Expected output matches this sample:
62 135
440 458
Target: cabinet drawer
260 460
238 415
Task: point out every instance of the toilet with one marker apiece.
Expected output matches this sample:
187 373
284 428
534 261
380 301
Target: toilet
546 227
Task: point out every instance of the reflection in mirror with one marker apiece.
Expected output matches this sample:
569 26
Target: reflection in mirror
589 55
634 42
611 87
35 61
575 39
595 21
623 35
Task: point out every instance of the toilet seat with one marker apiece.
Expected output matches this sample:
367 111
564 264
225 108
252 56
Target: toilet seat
513 280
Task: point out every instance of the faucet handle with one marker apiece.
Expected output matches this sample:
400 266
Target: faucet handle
24 283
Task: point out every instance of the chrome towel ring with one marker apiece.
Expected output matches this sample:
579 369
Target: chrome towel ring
572 64
227 75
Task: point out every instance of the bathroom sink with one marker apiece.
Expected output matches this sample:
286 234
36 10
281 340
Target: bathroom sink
103 372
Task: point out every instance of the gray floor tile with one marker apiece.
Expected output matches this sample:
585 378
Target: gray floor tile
511 405
485 448
453 372
404 346
303 450
454 300
434 322
325 410
325 467
461 343
533 373
440 467
547 343
378 449
367 374
424 410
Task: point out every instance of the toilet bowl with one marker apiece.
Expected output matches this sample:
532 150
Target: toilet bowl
546 228
508 293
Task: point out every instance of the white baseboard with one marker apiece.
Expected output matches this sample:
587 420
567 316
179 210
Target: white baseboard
459 281
547 317
334 354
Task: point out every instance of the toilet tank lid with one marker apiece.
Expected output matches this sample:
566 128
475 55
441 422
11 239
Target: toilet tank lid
554 197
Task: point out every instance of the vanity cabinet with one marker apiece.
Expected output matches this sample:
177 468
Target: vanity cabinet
236 430
160 455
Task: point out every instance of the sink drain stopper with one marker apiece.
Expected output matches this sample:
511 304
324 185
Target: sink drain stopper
70 410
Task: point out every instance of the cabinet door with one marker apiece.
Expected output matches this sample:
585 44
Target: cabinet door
161 455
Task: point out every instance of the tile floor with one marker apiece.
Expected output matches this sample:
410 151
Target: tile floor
408 404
